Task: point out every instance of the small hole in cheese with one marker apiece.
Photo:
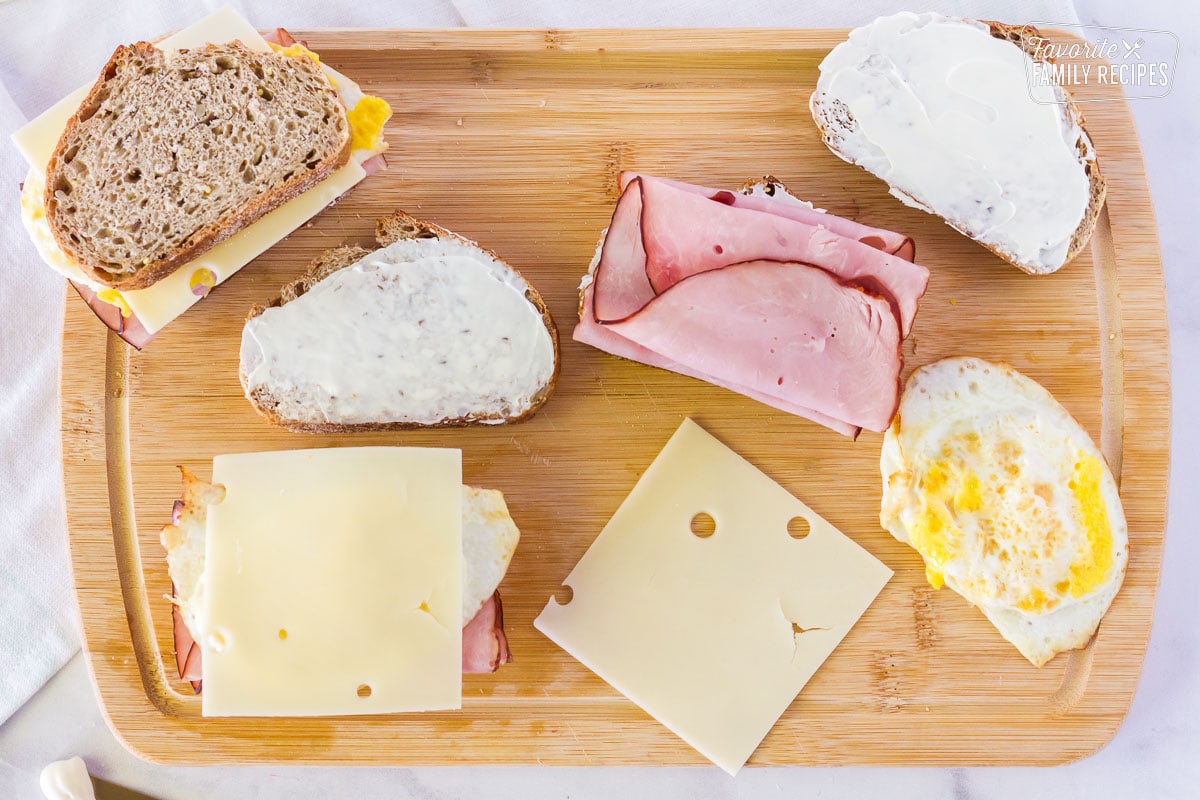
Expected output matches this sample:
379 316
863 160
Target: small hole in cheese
282 634
364 690
798 527
703 525
564 595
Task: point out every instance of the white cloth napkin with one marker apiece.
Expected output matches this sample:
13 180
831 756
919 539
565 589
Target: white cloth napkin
37 621
50 47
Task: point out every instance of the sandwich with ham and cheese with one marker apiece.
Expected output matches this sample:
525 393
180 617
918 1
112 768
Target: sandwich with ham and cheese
489 539
186 160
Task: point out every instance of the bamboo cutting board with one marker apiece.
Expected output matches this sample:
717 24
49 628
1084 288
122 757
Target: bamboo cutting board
516 138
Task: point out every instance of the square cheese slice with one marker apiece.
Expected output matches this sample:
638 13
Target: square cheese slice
713 635
333 583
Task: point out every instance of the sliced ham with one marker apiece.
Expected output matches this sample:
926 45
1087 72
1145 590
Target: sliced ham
374 164
685 233
797 309
622 268
128 328
281 37
604 337
187 651
787 206
484 645
784 331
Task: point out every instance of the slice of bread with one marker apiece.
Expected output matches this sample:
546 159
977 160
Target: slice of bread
430 330
843 135
170 154
489 539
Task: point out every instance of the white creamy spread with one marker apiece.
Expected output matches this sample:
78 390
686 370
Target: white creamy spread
421 331
67 780
948 116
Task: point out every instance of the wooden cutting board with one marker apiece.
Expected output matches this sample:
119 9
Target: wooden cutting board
516 138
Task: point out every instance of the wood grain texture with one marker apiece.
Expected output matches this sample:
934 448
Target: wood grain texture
515 138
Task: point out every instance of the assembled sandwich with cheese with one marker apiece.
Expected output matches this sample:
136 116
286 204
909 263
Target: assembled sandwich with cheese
186 160
335 581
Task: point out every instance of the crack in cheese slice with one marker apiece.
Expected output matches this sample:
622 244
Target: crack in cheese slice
712 636
333 583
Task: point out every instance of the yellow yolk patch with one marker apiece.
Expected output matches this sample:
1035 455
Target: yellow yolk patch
296 50
367 119
1089 570
202 282
934 536
114 298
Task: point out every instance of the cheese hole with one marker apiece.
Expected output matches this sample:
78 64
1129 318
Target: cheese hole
703 525
216 640
282 634
798 527
364 690
564 595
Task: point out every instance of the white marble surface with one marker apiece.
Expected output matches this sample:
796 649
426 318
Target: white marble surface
1155 754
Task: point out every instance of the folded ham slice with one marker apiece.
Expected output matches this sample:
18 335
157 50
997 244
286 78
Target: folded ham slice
769 196
759 294
484 645
128 328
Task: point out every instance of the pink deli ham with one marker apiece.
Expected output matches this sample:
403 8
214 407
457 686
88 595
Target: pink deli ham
896 244
800 316
484 645
128 328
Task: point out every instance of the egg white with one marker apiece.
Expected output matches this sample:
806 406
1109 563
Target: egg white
998 408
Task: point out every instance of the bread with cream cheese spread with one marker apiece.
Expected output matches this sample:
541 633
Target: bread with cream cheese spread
1075 201
428 330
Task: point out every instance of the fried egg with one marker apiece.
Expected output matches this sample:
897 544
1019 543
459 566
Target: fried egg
1008 501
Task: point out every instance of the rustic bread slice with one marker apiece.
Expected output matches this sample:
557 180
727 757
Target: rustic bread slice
430 330
170 154
843 135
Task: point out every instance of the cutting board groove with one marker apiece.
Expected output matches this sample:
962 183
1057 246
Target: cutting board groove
516 138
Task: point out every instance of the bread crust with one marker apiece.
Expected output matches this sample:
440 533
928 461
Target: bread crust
1021 36
389 229
203 239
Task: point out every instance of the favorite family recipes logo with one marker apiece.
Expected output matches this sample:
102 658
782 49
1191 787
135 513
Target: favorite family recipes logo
1140 61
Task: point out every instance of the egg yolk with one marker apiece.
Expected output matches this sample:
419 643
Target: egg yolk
367 119
1091 567
295 51
933 533
1015 524
114 298
369 114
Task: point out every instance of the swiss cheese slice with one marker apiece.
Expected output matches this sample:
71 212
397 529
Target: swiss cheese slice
333 583
712 636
